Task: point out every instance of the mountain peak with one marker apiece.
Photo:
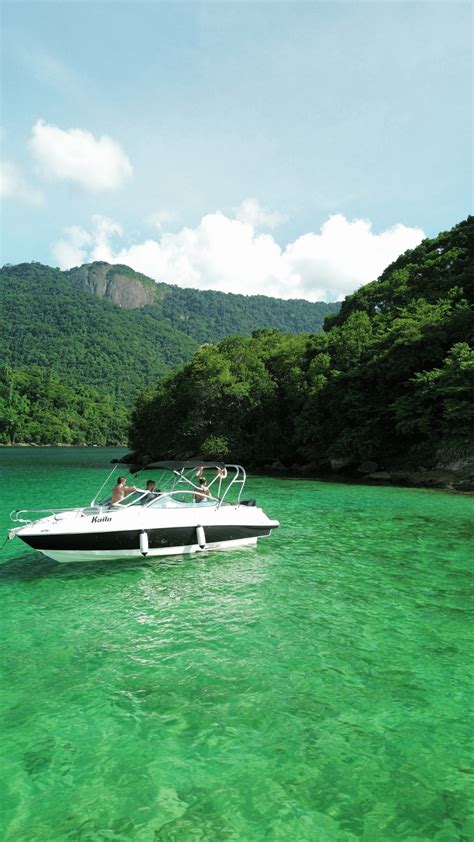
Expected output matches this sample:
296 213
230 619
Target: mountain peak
119 284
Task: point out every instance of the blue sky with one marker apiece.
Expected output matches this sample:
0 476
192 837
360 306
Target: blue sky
286 148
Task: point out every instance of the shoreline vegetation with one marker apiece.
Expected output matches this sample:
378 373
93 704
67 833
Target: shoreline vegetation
77 347
385 394
61 444
460 480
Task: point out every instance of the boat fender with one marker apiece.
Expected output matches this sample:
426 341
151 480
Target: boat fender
143 542
201 537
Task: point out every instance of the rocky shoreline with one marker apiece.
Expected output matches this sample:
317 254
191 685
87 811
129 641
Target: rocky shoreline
453 476
456 475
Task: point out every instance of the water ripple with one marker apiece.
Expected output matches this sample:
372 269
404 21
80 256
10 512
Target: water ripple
314 688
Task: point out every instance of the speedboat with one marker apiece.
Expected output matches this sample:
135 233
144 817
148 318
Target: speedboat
176 518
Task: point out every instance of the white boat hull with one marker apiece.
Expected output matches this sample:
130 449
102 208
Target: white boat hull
67 556
108 535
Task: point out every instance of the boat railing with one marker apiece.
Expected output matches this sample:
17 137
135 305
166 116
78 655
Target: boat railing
225 485
158 498
229 483
225 482
30 515
238 480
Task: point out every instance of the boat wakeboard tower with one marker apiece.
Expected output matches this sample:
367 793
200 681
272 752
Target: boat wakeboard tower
175 518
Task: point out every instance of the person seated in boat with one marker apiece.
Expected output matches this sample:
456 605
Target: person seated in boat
152 491
120 490
203 492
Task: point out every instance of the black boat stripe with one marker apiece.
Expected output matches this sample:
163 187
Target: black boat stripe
130 540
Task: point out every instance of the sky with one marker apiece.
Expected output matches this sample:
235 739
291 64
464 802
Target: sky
291 149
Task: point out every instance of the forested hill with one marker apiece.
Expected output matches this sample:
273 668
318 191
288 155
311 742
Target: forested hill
205 315
389 385
76 347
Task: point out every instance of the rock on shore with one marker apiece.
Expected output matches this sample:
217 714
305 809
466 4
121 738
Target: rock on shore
455 475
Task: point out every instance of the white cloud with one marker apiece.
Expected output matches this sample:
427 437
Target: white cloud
345 255
70 250
252 212
75 155
78 246
227 254
14 186
104 229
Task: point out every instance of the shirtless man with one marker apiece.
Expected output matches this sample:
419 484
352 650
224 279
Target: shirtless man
203 490
121 490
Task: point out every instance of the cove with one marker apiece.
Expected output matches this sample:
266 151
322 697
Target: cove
314 688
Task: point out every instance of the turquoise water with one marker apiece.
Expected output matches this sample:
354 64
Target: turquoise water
314 688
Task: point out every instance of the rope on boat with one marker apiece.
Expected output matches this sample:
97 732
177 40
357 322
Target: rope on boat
6 541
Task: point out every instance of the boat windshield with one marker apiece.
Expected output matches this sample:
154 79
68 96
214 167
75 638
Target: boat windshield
181 483
185 483
191 484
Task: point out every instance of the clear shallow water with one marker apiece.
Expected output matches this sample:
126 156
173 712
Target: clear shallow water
316 688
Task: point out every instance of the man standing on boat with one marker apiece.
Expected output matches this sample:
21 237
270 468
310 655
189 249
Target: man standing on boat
121 490
203 490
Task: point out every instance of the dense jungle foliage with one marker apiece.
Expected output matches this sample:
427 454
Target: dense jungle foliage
390 379
38 407
208 316
71 364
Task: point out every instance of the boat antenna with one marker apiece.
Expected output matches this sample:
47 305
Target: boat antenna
104 483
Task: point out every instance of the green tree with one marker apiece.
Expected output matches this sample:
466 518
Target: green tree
390 378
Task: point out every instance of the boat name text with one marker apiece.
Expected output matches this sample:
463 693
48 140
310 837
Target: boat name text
96 519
